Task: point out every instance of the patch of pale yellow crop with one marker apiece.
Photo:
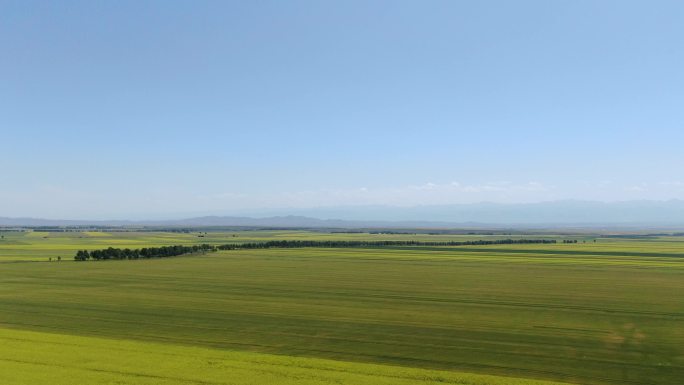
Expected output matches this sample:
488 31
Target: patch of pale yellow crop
97 234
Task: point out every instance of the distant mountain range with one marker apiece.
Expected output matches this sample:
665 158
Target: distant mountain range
289 221
546 214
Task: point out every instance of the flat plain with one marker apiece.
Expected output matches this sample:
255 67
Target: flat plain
604 312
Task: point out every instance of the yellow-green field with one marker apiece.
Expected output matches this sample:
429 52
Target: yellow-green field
29 358
39 246
610 312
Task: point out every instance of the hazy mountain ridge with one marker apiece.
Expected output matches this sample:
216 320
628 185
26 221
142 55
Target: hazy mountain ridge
651 213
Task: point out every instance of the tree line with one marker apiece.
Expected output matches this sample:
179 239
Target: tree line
144 253
342 244
172 251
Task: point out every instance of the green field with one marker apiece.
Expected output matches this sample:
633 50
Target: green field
39 246
610 312
39 358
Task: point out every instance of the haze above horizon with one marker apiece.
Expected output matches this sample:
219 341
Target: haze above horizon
131 109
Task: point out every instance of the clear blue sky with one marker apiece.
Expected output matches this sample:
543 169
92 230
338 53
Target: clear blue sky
113 109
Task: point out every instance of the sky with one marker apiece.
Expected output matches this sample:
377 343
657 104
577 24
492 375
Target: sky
144 109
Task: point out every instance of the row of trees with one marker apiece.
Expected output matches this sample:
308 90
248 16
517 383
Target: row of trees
172 251
299 243
144 253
